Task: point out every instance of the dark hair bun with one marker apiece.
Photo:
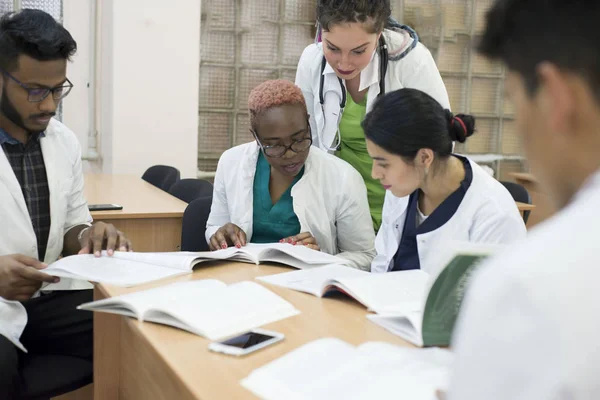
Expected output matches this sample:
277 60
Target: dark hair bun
460 126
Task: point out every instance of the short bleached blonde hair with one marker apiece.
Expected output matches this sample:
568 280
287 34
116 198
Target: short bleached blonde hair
271 94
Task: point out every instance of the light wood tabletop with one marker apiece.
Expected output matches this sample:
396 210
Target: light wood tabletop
149 361
545 208
524 206
151 218
524 176
139 198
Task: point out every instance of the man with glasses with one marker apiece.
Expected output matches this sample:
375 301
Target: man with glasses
279 188
43 213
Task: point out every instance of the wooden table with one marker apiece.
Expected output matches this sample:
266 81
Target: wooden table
524 207
151 218
544 207
134 360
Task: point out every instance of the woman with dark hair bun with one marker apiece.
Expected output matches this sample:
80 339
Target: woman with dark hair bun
433 195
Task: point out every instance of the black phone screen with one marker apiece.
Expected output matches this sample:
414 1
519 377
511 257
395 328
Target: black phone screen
246 340
104 207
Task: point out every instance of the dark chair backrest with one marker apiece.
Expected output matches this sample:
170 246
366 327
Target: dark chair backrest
162 176
189 190
520 194
194 225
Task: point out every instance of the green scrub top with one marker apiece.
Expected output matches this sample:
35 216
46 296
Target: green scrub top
272 222
354 151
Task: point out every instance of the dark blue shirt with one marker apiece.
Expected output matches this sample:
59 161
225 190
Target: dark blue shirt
407 255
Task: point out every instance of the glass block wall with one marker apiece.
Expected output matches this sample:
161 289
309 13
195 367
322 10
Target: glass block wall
244 43
52 7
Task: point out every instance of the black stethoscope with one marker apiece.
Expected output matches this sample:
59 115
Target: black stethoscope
383 67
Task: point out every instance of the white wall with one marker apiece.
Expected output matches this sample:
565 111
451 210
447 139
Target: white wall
148 71
76 106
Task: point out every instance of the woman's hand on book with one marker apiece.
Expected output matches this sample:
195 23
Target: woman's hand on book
227 235
303 239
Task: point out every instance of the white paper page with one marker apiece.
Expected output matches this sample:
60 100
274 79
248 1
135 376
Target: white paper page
312 280
111 270
296 374
332 369
393 372
181 260
230 253
448 250
400 291
286 253
168 296
386 372
236 309
408 326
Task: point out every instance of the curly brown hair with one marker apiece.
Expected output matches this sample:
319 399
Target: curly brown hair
373 13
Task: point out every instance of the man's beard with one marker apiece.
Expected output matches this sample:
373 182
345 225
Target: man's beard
10 112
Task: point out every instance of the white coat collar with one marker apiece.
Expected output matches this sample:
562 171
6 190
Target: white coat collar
368 76
10 180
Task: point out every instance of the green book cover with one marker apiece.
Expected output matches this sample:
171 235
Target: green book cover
445 298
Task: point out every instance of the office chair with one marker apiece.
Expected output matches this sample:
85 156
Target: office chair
189 190
52 375
520 194
162 176
194 225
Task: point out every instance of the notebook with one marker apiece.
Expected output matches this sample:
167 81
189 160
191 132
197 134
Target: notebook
432 323
208 308
130 268
330 368
381 293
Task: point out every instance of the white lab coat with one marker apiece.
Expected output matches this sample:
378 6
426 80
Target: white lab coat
487 214
330 201
13 318
529 324
417 70
68 207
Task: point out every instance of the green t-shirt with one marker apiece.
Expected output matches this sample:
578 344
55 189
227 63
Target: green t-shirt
354 151
272 222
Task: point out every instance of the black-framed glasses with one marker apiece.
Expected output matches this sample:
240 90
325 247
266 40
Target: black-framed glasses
37 95
278 150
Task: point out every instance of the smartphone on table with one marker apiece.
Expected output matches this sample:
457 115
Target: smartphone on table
246 343
104 207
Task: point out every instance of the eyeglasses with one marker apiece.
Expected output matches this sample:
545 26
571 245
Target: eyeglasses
278 150
37 95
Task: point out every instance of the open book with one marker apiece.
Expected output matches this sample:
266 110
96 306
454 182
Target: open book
383 293
432 323
330 368
207 308
129 269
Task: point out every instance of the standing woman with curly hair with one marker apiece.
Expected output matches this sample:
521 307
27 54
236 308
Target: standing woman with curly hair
362 53
279 188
